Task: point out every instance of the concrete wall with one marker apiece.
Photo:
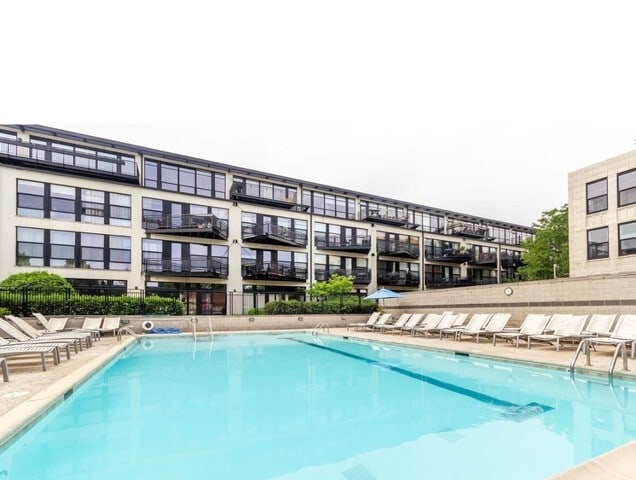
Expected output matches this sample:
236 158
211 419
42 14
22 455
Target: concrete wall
611 294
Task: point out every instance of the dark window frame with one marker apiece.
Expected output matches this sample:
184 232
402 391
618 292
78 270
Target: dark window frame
591 201
597 250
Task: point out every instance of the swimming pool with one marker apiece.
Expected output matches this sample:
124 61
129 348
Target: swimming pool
295 407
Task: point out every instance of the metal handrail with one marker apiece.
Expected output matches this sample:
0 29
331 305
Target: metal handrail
128 330
584 346
321 326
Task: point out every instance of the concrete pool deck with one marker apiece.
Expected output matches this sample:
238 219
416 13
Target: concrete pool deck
31 391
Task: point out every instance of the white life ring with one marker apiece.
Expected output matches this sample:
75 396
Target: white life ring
147 325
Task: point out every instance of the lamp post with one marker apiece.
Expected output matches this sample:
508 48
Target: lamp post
554 269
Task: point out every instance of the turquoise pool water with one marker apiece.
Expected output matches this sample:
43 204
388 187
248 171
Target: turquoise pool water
297 407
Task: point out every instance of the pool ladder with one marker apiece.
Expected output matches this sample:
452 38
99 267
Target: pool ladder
194 321
129 331
584 346
320 327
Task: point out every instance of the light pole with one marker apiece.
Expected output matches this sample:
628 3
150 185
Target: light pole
554 269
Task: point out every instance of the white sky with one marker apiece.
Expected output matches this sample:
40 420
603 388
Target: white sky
482 107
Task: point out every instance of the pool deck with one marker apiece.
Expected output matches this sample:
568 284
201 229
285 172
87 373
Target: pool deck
31 391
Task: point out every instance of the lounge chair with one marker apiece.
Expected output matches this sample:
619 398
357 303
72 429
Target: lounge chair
362 325
412 322
87 337
431 321
8 349
24 340
600 325
624 332
533 324
496 324
60 322
384 319
110 324
569 327
457 321
399 323
75 338
475 323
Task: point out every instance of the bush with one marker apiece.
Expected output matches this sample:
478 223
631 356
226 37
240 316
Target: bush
347 305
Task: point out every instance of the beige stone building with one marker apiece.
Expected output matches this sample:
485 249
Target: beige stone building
602 217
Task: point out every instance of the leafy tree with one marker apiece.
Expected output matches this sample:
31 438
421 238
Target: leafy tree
335 286
549 247
39 280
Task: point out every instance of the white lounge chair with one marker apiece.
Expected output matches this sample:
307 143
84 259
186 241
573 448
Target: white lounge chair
384 319
475 323
399 323
624 332
23 339
600 325
533 324
566 327
8 349
75 338
412 322
110 324
361 325
432 321
496 324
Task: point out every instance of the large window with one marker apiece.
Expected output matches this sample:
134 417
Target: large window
598 243
66 249
62 202
166 176
627 238
596 193
626 188
329 204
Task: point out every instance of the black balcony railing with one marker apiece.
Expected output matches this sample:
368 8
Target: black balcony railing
199 266
238 191
471 231
336 242
411 279
209 226
398 249
448 255
278 271
359 275
378 216
486 259
452 282
68 161
273 234
510 261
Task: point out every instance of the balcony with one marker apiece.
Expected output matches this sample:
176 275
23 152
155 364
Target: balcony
398 249
443 282
359 275
197 266
451 255
409 279
281 271
238 193
469 230
337 243
377 216
273 235
510 261
207 226
485 259
45 157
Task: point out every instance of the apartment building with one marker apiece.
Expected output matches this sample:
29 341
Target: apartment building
122 217
602 217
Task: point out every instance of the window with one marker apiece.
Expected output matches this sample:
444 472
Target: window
626 188
598 243
165 176
92 206
119 209
119 253
30 247
62 202
92 251
627 238
30 199
62 249
597 196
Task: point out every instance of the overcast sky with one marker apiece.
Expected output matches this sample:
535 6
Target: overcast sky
482 107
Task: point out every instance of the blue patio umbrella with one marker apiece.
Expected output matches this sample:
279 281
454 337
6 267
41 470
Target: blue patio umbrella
382 294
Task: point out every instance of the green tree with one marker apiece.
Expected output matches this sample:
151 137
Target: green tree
41 280
335 286
548 248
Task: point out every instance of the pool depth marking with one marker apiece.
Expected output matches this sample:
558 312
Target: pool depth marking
513 411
